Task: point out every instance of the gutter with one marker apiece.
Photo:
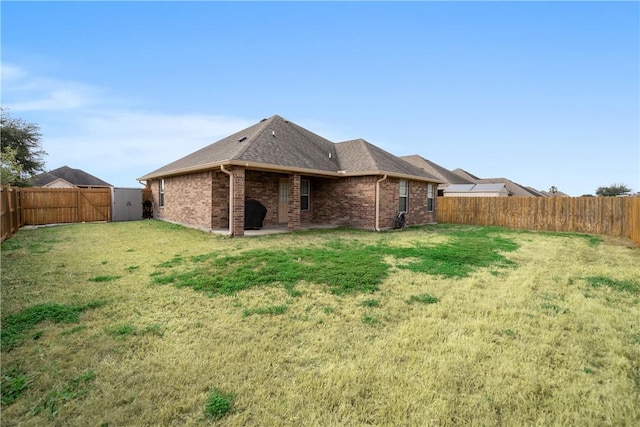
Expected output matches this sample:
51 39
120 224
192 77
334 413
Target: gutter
378 201
231 218
289 169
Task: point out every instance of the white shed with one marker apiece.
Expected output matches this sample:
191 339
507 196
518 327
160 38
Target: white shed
127 204
476 190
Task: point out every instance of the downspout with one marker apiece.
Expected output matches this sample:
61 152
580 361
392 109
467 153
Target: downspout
378 201
231 221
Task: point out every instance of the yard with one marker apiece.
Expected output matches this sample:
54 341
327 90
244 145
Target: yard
148 323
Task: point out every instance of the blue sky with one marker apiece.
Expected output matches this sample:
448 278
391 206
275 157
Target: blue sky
542 93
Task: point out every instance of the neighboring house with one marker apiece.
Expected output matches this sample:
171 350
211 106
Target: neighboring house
66 177
513 188
300 177
447 176
476 190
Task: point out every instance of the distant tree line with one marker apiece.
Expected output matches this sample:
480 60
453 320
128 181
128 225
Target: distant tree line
613 190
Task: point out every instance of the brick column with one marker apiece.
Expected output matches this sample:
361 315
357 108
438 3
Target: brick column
238 203
294 202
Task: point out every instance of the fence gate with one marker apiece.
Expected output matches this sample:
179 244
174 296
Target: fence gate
127 204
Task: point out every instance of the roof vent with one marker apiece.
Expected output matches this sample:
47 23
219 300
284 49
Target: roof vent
262 120
242 139
329 154
273 133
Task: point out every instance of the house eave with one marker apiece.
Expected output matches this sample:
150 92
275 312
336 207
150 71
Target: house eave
391 175
283 169
243 163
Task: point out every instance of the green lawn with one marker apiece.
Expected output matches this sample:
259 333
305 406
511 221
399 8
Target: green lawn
148 323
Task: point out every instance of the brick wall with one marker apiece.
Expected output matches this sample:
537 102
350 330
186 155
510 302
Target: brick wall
187 199
238 176
202 200
389 202
345 201
220 200
263 187
417 213
294 202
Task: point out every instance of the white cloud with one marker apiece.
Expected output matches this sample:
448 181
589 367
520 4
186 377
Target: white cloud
114 142
128 144
24 92
11 72
141 138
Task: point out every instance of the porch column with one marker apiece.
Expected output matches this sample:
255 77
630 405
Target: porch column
294 202
236 223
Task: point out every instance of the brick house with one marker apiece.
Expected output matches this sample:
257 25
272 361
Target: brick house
300 177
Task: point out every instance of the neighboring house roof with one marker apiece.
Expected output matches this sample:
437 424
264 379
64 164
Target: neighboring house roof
466 175
514 188
556 194
475 188
278 144
436 170
76 177
536 192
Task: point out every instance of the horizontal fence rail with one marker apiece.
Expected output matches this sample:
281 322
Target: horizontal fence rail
613 216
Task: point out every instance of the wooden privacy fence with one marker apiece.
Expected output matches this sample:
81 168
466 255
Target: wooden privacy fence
9 211
62 205
36 206
613 216
635 220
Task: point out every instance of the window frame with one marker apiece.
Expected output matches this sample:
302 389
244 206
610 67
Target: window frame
431 202
404 196
307 195
161 193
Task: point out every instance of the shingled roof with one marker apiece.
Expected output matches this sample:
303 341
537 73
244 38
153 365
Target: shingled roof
278 144
76 177
466 175
436 170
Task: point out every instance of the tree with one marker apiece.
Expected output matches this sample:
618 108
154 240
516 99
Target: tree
10 169
22 155
613 190
553 189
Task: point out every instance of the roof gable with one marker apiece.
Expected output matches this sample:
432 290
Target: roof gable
359 155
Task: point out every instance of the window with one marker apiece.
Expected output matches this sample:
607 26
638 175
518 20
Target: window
305 186
430 197
404 195
161 193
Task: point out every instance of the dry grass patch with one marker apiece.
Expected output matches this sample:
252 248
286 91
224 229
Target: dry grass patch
540 329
